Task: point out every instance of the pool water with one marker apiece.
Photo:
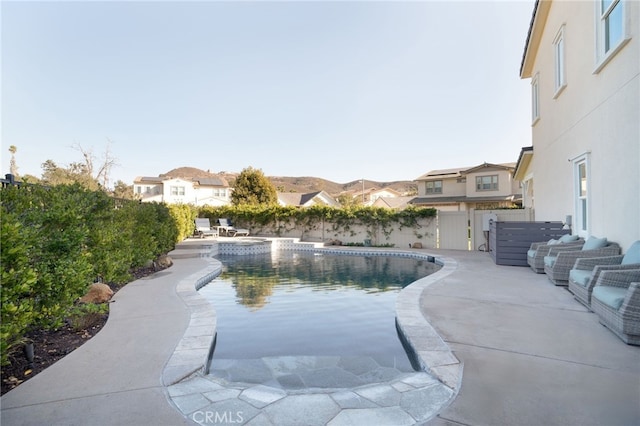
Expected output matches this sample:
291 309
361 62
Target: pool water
305 304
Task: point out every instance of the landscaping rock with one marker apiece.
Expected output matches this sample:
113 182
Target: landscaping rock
164 261
417 245
98 293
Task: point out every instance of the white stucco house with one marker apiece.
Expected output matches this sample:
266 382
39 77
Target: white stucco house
583 61
318 198
172 188
486 186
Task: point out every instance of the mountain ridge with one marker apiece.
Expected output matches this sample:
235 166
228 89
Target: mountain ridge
302 184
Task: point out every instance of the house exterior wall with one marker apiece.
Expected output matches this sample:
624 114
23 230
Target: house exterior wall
148 191
453 187
450 187
185 192
595 117
506 184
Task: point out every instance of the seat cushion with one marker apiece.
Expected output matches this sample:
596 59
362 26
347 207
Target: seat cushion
568 238
610 296
580 276
549 261
594 243
531 253
552 242
632 255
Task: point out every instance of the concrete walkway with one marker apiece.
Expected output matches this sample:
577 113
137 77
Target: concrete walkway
116 377
531 355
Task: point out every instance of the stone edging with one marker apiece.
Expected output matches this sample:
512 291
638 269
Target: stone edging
192 351
431 352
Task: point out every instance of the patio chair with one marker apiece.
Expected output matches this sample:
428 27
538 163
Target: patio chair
559 262
616 301
204 228
225 227
585 272
537 251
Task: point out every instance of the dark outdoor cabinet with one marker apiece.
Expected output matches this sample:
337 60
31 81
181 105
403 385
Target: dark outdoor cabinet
510 241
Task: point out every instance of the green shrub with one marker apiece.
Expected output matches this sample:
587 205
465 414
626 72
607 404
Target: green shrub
18 281
57 240
84 315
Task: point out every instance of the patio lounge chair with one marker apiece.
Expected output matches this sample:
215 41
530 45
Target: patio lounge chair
225 227
204 228
559 262
585 272
616 301
537 251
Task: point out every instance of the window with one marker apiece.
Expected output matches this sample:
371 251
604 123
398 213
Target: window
487 183
558 53
609 30
434 187
535 100
611 20
177 190
581 190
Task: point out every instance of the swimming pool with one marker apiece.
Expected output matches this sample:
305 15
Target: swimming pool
297 304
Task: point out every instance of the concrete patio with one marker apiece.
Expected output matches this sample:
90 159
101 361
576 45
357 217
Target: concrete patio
522 352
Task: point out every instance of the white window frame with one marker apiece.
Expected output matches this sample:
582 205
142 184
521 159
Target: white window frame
433 188
605 53
560 79
494 184
582 191
535 99
177 191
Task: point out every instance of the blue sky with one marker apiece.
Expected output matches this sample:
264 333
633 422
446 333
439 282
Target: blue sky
341 90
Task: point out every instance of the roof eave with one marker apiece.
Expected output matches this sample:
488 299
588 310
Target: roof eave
536 26
526 154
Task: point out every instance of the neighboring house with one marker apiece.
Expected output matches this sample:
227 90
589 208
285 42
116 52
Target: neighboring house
583 59
369 196
524 174
199 191
320 198
487 186
396 203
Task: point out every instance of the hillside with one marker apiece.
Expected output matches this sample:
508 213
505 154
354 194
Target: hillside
304 184
312 184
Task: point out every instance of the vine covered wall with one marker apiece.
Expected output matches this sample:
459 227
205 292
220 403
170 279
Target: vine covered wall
358 225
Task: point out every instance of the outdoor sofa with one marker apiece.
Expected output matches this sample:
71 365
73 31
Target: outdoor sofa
559 262
585 272
616 301
537 251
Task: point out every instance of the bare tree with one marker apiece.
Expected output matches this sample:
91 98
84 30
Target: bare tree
103 172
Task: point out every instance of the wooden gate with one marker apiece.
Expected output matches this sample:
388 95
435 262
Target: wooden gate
463 230
453 230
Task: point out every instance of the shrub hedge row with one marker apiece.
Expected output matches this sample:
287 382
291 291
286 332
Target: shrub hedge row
56 241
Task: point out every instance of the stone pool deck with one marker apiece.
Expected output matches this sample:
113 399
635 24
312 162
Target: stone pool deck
501 344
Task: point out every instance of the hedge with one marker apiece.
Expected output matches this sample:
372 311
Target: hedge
56 241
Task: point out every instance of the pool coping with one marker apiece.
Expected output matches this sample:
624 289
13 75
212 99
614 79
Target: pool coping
194 351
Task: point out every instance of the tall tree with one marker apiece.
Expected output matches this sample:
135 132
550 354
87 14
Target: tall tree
52 174
252 187
122 190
